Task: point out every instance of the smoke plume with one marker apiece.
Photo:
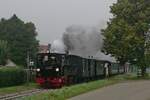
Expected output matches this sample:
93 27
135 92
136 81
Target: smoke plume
82 41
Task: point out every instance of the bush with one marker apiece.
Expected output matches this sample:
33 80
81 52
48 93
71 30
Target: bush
11 76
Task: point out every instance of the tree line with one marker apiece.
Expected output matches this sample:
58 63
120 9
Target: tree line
16 39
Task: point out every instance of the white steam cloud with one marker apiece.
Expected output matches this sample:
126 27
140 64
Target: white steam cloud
58 46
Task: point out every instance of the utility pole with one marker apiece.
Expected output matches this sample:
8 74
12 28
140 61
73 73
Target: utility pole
28 60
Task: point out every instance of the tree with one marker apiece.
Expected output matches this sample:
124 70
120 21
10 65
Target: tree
3 52
21 38
125 35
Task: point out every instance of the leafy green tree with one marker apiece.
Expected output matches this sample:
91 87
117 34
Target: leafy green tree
21 38
125 35
3 52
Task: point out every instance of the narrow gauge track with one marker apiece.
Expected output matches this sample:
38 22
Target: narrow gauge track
22 94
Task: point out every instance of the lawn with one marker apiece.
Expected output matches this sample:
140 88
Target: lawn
67 92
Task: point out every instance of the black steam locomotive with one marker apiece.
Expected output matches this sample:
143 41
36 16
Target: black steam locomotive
57 70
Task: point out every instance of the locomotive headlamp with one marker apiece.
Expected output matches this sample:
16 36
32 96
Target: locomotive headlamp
57 69
38 70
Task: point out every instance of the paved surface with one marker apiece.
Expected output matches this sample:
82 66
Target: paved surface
139 90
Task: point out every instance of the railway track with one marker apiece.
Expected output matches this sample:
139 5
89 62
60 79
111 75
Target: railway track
18 95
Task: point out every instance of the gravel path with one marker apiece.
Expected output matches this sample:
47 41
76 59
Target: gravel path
137 90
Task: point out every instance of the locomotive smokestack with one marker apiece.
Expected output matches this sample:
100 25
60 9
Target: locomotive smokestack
49 48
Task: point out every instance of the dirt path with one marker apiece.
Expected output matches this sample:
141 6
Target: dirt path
137 90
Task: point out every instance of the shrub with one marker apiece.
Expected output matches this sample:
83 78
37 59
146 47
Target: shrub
11 76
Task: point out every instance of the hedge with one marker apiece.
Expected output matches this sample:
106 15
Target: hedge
10 76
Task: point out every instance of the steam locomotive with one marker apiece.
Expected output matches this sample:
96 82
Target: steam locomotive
56 70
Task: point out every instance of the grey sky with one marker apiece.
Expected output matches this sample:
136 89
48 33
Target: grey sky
51 17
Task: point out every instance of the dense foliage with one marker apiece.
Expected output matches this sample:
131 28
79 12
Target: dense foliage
3 52
126 36
11 76
21 37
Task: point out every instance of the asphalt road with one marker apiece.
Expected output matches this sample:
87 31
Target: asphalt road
137 90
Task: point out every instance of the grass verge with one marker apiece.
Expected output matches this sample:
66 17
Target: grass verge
15 89
67 92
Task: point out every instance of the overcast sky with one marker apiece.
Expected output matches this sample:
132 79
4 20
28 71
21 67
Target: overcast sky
51 17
